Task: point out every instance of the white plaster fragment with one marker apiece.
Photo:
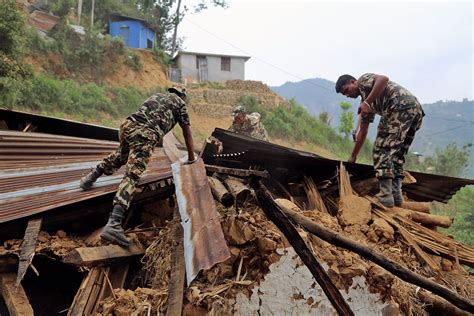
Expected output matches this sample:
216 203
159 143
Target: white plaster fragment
289 286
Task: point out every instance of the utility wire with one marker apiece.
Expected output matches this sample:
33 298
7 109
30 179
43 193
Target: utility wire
256 57
445 131
447 119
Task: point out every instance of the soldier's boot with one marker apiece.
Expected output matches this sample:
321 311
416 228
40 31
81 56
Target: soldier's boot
397 191
113 231
385 195
88 181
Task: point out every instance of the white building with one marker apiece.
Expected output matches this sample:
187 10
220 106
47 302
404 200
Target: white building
198 67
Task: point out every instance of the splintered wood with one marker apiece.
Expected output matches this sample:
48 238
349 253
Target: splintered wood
14 296
315 201
28 247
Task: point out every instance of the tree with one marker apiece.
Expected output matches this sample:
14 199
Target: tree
451 161
347 119
12 50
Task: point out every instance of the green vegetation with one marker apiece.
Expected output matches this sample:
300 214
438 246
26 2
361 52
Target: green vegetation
347 119
460 207
450 161
86 102
295 123
12 51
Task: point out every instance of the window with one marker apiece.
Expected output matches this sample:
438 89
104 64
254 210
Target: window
225 63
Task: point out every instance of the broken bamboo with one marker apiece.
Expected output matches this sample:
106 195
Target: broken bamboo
391 266
275 214
220 192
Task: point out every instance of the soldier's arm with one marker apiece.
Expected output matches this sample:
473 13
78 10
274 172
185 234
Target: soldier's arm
380 82
360 138
188 140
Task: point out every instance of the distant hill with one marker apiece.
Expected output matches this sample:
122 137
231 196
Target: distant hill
317 95
445 121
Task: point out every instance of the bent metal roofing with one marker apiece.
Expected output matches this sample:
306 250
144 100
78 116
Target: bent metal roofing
40 172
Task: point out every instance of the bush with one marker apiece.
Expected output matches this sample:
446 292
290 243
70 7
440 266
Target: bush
162 57
295 123
133 61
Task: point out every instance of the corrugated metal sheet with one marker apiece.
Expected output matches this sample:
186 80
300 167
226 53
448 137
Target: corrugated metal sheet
40 172
429 187
204 242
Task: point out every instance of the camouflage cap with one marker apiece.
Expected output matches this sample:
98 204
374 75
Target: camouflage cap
178 89
239 109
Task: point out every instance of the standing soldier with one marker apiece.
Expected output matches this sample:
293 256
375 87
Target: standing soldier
401 116
249 125
139 134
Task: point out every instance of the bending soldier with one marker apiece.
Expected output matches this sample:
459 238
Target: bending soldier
139 134
248 124
401 116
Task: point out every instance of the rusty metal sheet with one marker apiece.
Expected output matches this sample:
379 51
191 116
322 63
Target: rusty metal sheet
40 172
429 187
204 243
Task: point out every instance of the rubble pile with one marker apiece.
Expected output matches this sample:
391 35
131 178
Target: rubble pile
195 252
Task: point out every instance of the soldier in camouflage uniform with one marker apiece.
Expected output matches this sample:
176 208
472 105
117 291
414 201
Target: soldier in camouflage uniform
401 116
139 134
248 124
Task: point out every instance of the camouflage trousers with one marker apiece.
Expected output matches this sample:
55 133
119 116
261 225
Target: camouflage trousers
136 147
395 134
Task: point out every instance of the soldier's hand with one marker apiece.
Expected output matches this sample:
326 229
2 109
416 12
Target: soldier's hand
189 162
352 159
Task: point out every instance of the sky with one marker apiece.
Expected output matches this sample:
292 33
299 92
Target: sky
426 46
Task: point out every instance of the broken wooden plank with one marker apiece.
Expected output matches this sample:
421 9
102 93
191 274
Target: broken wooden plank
178 272
220 192
314 198
117 275
391 266
276 215
86 299
93 256
28 247
14 296
237 172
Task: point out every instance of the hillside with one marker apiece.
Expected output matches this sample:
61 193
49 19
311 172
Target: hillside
317 95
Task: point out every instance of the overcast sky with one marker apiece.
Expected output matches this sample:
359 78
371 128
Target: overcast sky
425 46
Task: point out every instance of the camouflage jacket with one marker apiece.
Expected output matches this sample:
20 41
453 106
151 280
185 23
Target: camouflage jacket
252 127
393 98
161 112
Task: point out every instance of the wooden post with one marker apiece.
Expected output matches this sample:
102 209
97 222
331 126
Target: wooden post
391 266
275 214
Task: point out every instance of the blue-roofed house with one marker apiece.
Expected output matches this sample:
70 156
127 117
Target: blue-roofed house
136 33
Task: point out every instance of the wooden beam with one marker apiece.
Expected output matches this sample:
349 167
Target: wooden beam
424 207
391 266
14 296
94 256
177 278
28 247
238 190
425 219
237 172
276 215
